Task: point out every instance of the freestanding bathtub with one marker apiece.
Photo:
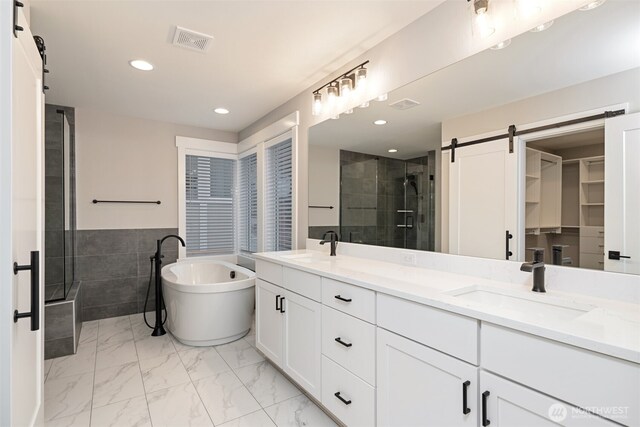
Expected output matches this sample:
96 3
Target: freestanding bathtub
208 302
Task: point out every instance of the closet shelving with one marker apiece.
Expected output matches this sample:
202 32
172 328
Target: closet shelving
543 201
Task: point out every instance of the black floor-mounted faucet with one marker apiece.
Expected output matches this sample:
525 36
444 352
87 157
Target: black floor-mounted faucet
537 267
334 240
158 330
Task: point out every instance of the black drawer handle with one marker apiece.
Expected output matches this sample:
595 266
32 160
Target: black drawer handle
343 299
342 399
277 300
281 305
465 407
339 340
485 420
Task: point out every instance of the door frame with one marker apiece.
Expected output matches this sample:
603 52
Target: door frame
550 133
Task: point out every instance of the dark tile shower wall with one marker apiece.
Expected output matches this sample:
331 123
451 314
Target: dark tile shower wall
358 197
113 266
55 233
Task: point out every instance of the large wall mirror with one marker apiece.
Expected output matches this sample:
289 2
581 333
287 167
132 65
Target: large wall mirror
533 143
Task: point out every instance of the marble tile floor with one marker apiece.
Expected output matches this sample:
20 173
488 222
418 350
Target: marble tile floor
121 376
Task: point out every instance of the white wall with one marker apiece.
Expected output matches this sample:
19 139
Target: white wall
126 158
324 185
432 42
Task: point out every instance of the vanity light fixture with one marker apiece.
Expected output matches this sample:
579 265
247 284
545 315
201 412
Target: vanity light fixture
482 21
342 88
380 122
221 110
501 45
592 5
141 64
541 27
528 8
392 150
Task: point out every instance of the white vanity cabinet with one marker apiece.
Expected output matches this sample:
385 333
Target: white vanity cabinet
507 404
288 325
419 386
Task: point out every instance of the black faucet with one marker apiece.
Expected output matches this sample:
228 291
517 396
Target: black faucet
334 240
537 267
558 258
158 330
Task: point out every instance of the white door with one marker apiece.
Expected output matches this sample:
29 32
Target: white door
622 193
302 342
418 386
484 187
21 222
507 404
269 321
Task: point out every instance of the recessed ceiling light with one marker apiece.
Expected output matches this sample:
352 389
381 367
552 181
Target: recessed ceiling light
592 5
542 27
221 110
141 64
392 150
501 45
380 122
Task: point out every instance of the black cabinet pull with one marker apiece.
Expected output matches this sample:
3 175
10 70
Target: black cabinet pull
338 340
343 299
508 236
465 407
277 300
34 268
485 420
281 305
342 399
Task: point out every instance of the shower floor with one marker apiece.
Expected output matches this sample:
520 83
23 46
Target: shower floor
121 376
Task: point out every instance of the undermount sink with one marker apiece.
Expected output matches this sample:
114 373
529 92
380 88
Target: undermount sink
539 306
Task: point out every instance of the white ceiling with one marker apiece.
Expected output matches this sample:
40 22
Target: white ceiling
264 53
578 47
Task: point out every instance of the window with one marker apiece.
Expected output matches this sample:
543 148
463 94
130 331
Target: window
278 197
248 203
209 186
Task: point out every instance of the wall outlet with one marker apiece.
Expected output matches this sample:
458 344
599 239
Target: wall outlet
409 258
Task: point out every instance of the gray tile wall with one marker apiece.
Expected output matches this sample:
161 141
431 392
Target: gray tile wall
113 267
62 324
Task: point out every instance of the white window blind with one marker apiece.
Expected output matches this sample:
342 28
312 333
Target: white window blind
278 218
248 203
209 205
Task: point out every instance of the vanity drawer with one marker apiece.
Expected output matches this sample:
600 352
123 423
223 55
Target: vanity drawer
577 376
592 245
350 299
361 409
448 332
358 353
303 283
594 261
269 272
592 232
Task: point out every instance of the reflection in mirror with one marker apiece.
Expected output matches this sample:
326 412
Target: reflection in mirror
434 167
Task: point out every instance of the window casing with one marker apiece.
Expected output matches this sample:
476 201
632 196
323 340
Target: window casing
248 203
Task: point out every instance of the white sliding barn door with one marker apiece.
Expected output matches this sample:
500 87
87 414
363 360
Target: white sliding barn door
484 188
622 193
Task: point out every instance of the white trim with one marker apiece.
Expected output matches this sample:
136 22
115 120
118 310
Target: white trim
244 154
206 145
269 132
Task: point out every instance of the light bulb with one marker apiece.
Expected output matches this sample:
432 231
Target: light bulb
382 97
346 86
484 25
317 104
361 78
332 94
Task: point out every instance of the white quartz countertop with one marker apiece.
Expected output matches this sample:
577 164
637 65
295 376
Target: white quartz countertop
601 325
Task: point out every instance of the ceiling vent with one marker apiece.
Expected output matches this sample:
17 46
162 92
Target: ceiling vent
192 40
404 104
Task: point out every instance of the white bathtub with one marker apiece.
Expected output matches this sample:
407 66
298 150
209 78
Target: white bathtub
205 304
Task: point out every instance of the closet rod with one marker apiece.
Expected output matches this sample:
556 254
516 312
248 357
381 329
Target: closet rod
155 202
605 115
